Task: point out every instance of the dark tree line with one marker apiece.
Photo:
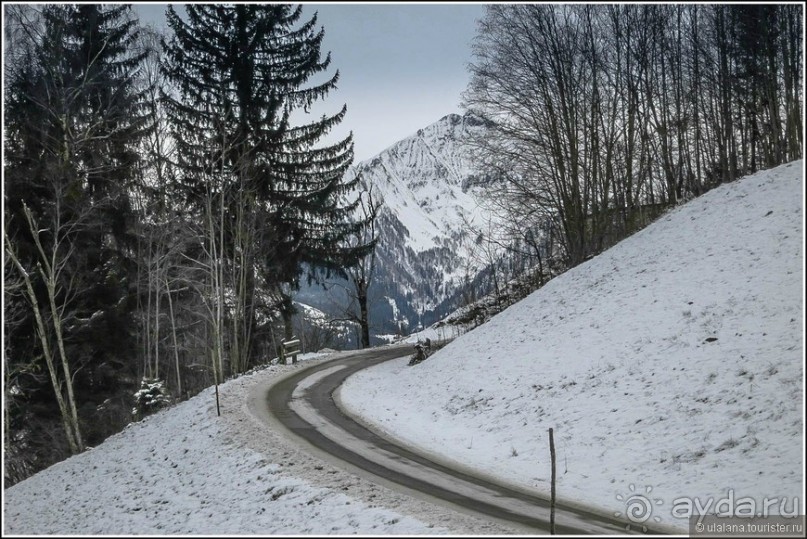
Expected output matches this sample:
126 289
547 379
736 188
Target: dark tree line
73 120
164 195
603 115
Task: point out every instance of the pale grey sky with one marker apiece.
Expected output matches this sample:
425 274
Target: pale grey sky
402 66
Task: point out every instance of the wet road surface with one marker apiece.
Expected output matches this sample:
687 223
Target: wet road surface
304 405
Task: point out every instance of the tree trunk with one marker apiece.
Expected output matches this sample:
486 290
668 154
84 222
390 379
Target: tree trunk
287 311
364 319
67 410
174 338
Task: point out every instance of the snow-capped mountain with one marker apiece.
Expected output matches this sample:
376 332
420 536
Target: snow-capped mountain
428 180
429 185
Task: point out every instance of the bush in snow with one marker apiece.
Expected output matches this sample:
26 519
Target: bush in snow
151 396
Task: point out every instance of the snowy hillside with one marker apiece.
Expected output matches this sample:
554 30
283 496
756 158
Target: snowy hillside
186 471
669 366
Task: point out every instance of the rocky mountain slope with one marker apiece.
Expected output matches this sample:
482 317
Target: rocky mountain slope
426 258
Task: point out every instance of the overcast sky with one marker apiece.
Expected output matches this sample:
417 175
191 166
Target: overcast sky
402 66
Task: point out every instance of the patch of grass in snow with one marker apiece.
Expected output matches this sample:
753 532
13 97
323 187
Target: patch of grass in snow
276 492
728 444
458 404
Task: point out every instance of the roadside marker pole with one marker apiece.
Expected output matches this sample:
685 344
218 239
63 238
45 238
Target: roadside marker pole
552 495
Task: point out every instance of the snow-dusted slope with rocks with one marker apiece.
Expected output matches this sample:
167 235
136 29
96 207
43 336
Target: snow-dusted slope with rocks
427 181
669 366
430 189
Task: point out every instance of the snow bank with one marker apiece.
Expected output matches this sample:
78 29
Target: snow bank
670 365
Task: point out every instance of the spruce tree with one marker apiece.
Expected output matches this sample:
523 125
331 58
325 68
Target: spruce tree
74 121
239 73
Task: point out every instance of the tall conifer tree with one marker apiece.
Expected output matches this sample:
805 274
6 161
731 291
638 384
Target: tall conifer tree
240 72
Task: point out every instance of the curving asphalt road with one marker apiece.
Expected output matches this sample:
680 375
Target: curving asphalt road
303 404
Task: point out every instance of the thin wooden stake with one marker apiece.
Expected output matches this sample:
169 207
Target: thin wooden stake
552 495
218 410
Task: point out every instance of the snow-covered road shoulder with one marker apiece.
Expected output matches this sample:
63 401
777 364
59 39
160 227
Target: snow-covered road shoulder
186 471
670 366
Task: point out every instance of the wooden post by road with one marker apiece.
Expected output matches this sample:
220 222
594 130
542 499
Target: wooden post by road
552 494
218 410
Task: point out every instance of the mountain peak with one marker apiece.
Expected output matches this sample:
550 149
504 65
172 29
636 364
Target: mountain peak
452 118
428 182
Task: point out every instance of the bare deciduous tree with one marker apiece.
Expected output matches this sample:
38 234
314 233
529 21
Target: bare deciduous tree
602 116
